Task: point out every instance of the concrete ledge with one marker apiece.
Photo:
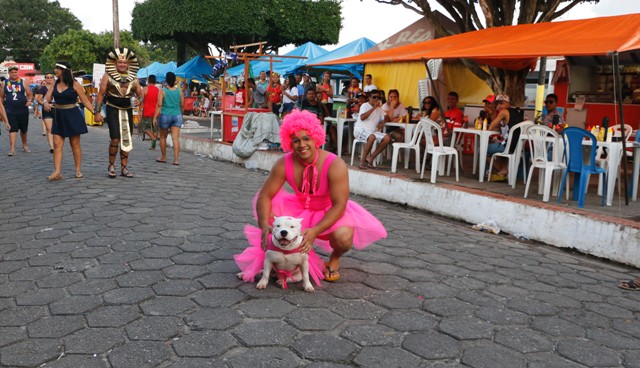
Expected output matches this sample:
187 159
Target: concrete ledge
602 236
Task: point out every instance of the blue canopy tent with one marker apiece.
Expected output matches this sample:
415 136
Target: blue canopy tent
164 69
151 69
353 48
194 68
286 66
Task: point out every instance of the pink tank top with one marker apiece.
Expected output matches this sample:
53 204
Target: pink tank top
320 199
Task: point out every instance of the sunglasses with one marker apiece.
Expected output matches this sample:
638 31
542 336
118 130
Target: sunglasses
48 77
549 102
376 97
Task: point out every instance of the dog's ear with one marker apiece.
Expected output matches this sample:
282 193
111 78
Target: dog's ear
298 220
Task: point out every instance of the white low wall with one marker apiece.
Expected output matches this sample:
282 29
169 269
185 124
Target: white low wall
586 232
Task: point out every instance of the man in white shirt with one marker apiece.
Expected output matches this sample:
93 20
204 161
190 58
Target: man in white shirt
368 128
368 84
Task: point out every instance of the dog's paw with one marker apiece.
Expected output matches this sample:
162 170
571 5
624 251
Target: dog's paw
262 284
308 288
240 275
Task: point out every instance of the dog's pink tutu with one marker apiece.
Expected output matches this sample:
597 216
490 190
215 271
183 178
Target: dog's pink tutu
251 260
312 208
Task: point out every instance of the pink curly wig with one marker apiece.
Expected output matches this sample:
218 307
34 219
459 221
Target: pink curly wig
301 120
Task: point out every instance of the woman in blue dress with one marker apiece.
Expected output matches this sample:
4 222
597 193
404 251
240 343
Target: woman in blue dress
68 121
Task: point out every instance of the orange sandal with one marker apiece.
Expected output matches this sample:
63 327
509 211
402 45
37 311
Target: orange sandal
331 275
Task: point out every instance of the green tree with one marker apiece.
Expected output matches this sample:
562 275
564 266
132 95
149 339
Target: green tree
165 51
28 26
471 15
223 23
82 49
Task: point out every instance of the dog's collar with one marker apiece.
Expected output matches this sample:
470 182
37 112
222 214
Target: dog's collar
271 246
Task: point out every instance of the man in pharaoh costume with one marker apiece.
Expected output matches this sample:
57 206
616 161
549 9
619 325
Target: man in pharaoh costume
120 85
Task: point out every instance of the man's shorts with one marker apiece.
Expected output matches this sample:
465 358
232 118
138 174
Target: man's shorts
147 124
362 134
19 122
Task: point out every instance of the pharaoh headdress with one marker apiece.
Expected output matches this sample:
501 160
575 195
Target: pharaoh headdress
122 54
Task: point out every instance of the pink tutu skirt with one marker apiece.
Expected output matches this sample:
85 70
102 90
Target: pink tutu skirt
366 227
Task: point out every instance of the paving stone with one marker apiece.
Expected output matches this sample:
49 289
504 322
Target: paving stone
9 335
94 340
491 357
106 271
213 319
149 264
524 340
631 359
610 311
588 353
269 308
13 288
192 259
344 290
381 356
113 316
532 307
40 297
502 316
129 295
55 326
59 280
432 345
466 328
92 287
75 304
218 298
265 333
166 306
220 280
554 361
76 361
631 327
265 357
176 287
447 307
30 273
613 340
140 278
398 300
154 328
357 309
30 353
198 363
185 271
204 344
411 320
372 335
21 316
313 319
324 347
139 354
557 327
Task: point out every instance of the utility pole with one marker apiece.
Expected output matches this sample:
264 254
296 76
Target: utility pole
116 25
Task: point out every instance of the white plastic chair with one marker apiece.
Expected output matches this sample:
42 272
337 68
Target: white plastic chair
418 133
603 162
438 153
378 158
513 165
540 139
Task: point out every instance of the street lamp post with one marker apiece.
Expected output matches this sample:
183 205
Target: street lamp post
116 25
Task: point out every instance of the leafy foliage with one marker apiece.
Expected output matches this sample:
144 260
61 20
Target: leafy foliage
493 13
27 26
198 23
82 49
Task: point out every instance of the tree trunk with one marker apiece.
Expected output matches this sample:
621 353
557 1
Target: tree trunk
514 82
182 53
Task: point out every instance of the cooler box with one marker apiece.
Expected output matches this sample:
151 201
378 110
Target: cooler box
88 118
232 122
188 104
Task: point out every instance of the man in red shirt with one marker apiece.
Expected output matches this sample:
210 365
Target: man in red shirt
150 101
453 115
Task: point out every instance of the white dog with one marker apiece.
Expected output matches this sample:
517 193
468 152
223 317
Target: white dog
284 256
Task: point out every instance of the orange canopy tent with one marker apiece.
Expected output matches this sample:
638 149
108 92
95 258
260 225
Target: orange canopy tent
517 47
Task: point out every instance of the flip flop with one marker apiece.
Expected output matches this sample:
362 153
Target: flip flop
176 163
363 166
331 275
54 177
79 175
11 153
161 161
632 285
27 150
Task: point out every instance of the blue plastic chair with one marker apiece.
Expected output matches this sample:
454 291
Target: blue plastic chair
577 163
633 183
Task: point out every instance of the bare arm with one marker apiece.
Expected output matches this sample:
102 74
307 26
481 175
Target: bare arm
339 192
47 99
269 189
83 97
100 99
181 103
366 115
3 114
495 124
159 104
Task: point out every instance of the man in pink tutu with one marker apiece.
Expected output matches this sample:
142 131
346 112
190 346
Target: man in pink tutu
321 198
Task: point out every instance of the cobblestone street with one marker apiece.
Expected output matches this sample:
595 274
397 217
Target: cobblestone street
134 273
